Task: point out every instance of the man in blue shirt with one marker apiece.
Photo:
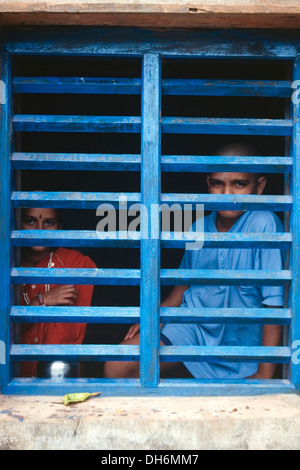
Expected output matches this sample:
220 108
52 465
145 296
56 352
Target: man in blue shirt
203 296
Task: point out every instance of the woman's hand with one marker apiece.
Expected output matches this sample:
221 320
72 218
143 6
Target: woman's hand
61 295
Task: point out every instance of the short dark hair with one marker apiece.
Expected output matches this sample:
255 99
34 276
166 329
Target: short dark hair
239 149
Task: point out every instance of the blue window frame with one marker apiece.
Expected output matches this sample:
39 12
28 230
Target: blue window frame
151 48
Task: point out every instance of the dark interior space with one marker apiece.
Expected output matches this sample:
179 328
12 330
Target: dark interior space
123 143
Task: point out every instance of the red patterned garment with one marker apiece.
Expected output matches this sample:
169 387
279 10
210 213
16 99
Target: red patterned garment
56 333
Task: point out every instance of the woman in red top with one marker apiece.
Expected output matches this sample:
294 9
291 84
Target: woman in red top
51 294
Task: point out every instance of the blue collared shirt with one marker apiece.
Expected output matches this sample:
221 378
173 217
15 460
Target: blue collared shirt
214 296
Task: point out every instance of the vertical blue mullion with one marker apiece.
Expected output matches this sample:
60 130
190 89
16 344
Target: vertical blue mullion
295 226
5 215
150 239
289 113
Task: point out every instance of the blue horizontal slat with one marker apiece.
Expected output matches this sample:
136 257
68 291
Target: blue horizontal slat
85 200
84 352
255 88
132 124
203 163
227 277
92 238
227 240
187 125
62 123
280 316
96 85
178 163
90 85
75 161
168 315
132 276
76 276
75 314
71 200
231 201
95 352
132 387
277 354
75 238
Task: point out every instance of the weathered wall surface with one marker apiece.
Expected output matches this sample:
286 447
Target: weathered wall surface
154 13
196 423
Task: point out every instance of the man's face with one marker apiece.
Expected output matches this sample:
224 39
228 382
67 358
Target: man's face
234 183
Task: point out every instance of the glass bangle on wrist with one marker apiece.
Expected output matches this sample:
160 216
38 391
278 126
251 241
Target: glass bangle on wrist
41 300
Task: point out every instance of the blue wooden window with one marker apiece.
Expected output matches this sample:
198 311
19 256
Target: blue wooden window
152 49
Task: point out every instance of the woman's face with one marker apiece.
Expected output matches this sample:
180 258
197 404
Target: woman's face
39 219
